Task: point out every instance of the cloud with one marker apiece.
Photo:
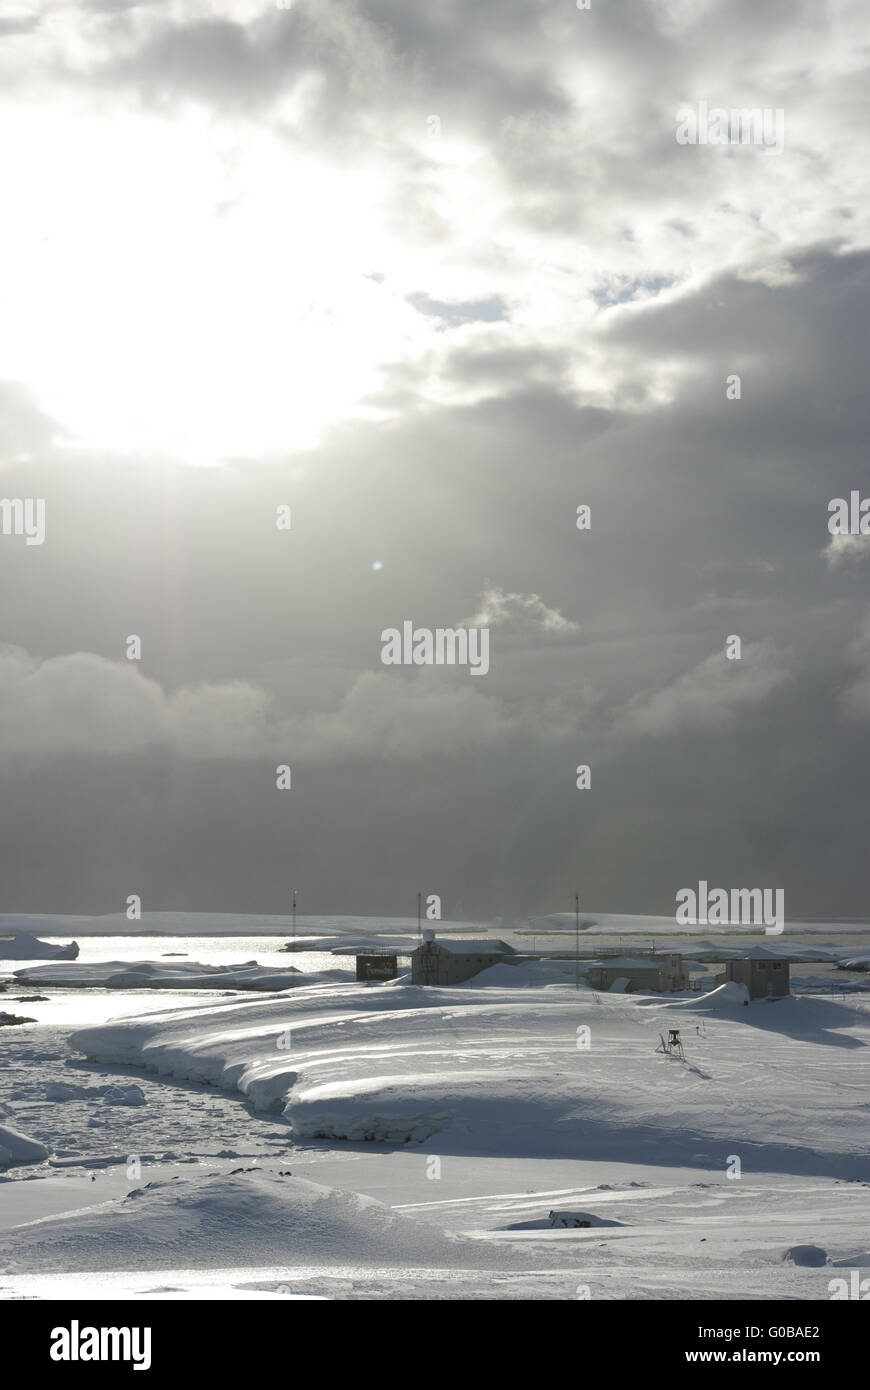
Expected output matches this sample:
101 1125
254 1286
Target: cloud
25 432
711 698
82 704
842 552
520 614
42 705
383 716
855 698
245 291
555 185
15 20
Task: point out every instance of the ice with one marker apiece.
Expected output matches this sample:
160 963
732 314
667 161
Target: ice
124 1095
144 974
15 1147
61 1091
25 947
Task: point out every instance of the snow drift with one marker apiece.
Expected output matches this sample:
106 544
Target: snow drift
24 947
725 996
241 1218
502 1070
15 1147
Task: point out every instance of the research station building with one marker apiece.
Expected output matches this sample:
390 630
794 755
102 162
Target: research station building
659 973
450 962
763 977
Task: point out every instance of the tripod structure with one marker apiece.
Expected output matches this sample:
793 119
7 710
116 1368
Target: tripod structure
674 1045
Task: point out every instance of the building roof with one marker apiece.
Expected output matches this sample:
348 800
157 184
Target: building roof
486 946
628 963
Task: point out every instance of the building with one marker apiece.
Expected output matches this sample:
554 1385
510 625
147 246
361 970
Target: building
449 962
764 977
376 965
661 973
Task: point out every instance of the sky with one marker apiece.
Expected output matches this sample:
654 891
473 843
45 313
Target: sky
423 280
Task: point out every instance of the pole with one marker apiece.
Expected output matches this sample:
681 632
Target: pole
419 917
293 921
576 940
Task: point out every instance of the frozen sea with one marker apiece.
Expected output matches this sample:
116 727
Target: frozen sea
200 1191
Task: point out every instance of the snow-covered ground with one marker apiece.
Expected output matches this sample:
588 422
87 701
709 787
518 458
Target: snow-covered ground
141 974
503 1069
465 1116
249 1229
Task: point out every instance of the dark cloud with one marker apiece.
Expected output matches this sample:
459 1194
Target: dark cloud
460 479
708 520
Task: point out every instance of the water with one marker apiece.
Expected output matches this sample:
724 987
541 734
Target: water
77 1008
211 950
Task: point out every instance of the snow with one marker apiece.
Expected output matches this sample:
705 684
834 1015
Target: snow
228 1218
563 1220
860 961
728 995
627 924
24 947
415 1142
486 946
124 1095
578 1219
530 974
630 962
62 1091
564 921
116 974
15 1147
499 1070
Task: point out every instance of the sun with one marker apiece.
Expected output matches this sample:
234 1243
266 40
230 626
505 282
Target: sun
186 289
